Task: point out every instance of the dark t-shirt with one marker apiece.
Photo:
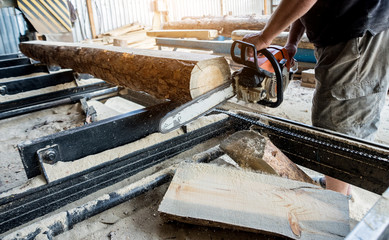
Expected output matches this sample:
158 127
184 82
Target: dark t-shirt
329 22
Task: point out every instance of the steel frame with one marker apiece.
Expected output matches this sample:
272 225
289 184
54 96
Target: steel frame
53 99
18 209
16 71
33 83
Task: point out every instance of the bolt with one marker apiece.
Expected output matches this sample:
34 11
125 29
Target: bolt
3 90
49 156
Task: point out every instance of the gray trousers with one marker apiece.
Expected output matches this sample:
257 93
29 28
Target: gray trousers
352 83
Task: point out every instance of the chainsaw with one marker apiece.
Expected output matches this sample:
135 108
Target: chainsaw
262 80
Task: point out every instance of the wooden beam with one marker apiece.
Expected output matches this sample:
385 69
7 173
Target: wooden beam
208 194
202 34
171 75
91 19
281 39
225 25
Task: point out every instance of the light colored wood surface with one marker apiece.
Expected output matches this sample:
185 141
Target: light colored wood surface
251 150
91 19
178 76
308 78
279 40
122 30
202 34
211 195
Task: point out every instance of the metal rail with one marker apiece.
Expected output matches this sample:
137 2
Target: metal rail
18 209
53 99
33 83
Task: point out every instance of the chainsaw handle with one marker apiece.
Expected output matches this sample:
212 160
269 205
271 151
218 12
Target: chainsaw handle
243 58
254 65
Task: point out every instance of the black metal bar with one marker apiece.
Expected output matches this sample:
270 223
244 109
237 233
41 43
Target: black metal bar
95 137
14 62
33 83
18 209
44 101
9 56
352 160
16 71
361 163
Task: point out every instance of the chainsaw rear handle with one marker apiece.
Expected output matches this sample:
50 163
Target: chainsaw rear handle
254 65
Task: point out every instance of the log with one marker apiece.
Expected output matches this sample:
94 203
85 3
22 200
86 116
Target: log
252 150
225 25
226 197
178 76
279 40
202 34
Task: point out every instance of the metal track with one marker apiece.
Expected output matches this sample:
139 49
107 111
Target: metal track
353 160
18 209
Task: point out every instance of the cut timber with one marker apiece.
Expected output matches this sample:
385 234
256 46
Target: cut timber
202 34
225 25
178 76
308 78
251 150
122 105
281 39
122 30
225 197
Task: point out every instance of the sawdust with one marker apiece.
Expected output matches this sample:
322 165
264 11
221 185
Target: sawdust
27 127
63 169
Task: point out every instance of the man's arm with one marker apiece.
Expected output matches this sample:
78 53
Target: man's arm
296 32
286 13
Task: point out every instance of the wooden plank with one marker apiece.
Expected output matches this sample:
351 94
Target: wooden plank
202 34
122 30
308 78
178 76
226 197
91 19
252 150
281 39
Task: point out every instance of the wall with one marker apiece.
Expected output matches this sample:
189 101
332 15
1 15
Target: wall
12 26
111 14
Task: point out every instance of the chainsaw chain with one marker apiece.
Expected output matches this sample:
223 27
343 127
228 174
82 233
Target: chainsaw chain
303 137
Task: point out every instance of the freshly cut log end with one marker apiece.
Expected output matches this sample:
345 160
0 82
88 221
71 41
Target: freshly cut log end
171 75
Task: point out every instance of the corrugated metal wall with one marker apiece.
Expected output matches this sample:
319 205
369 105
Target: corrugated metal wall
183 8
110 14
12 26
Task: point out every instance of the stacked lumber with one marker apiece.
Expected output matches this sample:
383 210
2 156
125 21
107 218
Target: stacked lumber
207 194
177 76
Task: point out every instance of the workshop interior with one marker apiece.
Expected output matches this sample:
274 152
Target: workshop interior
154 119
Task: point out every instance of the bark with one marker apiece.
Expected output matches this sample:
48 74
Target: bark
225 25
164 74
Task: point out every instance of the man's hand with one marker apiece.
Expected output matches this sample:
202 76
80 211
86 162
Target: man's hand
291 49
258 40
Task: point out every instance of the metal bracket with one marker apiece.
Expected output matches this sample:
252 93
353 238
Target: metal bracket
3 90
90 111
50 154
